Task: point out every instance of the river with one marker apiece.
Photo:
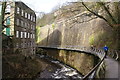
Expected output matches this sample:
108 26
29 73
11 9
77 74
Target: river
57 70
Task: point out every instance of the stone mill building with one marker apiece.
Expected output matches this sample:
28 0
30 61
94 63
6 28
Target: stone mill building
21 24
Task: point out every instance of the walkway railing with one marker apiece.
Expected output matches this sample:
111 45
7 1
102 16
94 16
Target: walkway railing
97 52
87 50
114 54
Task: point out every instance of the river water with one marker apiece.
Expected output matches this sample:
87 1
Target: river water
62 72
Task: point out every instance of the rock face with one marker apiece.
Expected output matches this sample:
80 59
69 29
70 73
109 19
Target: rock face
76 32
81 31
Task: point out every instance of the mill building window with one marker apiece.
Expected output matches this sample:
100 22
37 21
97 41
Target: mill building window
21 34
25 24
31 26
34 19
17 34
28 25
31 44
26 15
21 23
25 44
28 35
8 8
18 10
17 45
31 36
22 13
31 17
18 22
25 34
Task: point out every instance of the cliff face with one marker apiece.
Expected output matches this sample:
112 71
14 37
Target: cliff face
88 31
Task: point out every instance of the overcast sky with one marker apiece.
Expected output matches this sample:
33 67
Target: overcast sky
43 5
47 5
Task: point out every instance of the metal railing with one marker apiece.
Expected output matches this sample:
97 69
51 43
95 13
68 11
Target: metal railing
97 52
114 54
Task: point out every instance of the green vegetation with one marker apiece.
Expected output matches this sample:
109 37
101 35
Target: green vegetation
45 19
109 12
102 38
53 25
106 38
37 34
92 39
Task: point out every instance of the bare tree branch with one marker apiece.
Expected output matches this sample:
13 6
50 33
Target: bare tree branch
96 14
93 12
108 12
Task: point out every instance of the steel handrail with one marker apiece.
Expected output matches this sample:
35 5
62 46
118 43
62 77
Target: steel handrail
91 71
87 75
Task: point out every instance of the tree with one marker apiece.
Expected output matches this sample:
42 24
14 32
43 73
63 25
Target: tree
3 13
108 11
111 16
45 19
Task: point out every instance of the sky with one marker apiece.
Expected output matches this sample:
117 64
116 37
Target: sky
43 5
47 5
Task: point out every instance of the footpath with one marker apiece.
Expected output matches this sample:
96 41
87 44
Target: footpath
112 69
